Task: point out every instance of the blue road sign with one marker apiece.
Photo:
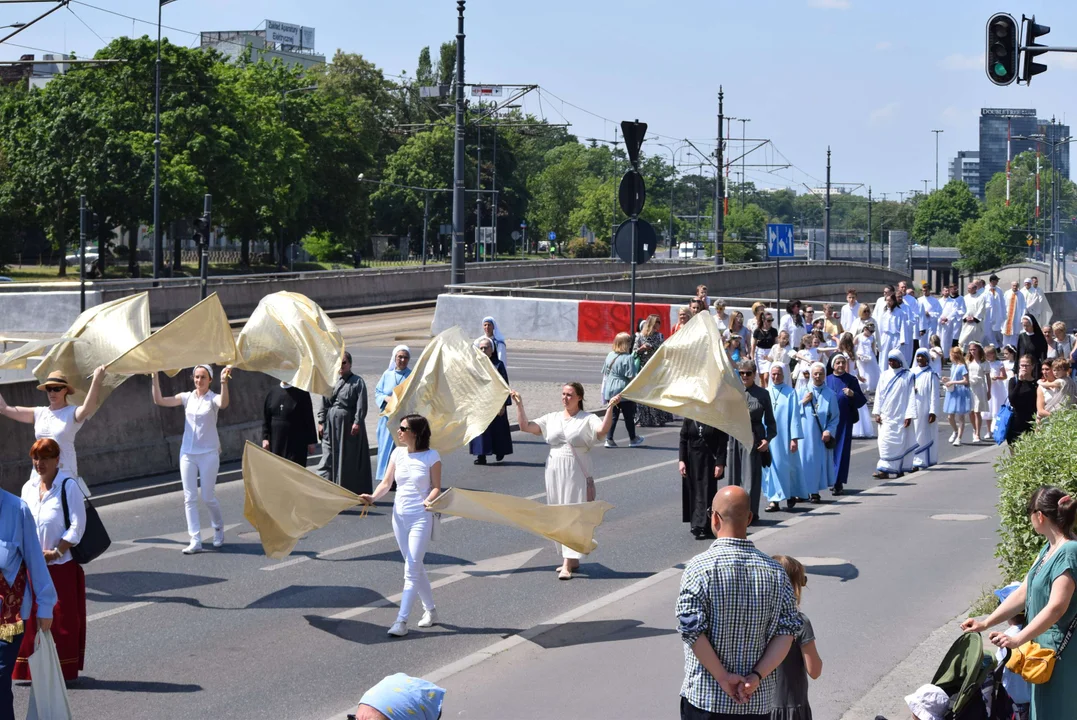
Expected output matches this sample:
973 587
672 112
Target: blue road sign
553 235
779 240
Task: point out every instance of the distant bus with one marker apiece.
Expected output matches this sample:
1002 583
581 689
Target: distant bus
690 251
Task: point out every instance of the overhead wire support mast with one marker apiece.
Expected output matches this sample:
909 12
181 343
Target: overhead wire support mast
60 4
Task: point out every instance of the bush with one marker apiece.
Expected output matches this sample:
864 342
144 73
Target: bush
580 248
324 247
1045 456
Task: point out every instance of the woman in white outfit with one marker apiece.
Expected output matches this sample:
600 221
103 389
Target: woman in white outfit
998 383
416 469
867 372
569 472
200 451
58 420
980 387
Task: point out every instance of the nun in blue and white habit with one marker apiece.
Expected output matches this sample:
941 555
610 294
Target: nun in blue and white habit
894 411
926 410
819 422
397 373
493 332
781 480
850 399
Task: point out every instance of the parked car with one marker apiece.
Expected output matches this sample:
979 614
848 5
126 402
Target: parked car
92 261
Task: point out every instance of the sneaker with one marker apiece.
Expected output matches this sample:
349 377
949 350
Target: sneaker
610 443
953 436
636 441
399 629
985 437
218 537
430 618
194 547
957 442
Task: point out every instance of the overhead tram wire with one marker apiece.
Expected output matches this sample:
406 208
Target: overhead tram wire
77 17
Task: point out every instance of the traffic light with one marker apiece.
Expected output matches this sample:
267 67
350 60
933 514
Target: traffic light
201 230
1032 32
1002 49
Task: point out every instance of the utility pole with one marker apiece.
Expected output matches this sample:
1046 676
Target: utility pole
478 182
719 194
157 249
869 224
83 211
458 274
826 211
936 158
207 221
743 155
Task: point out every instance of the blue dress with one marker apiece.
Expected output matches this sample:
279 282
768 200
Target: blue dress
781 480
816 460
848 415
958 397
389 380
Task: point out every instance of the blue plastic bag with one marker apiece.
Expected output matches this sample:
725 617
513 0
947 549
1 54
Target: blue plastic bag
1002 423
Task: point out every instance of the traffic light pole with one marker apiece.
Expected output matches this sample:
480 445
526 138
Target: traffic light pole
83 210
458 217
204 265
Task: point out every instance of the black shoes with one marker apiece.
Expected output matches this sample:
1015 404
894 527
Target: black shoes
480 460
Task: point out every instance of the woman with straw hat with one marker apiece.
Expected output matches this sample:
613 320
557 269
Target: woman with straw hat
58 420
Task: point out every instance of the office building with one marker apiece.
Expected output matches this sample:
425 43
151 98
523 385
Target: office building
966 167
998 124
291 44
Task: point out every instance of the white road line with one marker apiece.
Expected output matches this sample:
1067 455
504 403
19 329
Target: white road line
125 551
117 611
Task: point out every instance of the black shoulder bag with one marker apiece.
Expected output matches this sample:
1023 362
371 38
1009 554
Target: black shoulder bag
833 442
95 539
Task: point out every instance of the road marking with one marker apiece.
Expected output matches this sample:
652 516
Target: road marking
502 567
117 610
124 551
959 517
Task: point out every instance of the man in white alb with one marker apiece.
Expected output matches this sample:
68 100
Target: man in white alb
996 311
972 324
1013 304
931 311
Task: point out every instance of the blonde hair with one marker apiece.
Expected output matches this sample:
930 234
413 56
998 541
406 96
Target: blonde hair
1056 326
798 576
865 312
957 356
622 343
653 324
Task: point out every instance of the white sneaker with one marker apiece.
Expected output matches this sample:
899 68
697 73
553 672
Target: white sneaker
957 442
218 537
953 436
399 629
610 443
985 437
430 618
637 441
194 547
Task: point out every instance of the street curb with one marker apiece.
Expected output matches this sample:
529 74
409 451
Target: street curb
154 486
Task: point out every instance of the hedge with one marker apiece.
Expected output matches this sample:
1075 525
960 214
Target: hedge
1047 456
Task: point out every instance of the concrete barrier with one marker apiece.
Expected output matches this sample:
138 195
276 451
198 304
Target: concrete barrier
131 437
42 313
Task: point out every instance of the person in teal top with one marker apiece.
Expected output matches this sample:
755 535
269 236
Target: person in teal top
1047 598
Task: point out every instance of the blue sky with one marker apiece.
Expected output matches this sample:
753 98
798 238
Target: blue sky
871 78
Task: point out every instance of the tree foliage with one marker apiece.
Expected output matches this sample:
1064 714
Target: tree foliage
945 211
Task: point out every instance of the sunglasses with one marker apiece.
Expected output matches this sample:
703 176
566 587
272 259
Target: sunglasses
403 428
745 373
55 388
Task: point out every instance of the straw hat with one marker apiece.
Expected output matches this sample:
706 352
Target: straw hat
56 377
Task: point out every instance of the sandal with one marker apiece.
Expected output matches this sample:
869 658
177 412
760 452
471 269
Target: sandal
564 574
772 507
791 503
815 499
880 475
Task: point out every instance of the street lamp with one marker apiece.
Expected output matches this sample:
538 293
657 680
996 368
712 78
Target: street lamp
1055 180
13 26
673 159
936 158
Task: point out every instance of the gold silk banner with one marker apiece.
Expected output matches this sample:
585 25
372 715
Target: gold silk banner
455 387
290 337
201 335
691 375
16 359
104 332
571 525
284 502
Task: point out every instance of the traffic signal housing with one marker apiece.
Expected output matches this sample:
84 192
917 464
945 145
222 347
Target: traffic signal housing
1032 49
1003 52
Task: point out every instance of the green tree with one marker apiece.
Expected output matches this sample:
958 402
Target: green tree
945 210
745 229
556 190
991 240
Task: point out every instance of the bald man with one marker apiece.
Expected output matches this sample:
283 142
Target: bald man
737 617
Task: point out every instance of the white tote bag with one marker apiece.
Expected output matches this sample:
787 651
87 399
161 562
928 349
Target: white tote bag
48 694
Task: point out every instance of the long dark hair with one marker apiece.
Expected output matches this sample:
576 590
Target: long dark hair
420 428
1056 505
578 389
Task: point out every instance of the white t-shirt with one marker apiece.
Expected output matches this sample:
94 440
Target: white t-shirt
412 479
60 425
48 514
200 426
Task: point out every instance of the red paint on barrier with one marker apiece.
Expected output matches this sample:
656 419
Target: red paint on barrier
601 321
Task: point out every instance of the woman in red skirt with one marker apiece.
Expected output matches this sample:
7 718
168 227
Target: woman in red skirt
57 537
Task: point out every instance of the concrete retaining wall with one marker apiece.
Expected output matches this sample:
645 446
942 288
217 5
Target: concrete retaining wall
129 436
533 319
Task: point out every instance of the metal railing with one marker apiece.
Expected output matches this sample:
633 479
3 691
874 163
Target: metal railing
610 295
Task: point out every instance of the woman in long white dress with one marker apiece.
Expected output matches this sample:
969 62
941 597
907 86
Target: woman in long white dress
571 434
867 372
998 383
980 387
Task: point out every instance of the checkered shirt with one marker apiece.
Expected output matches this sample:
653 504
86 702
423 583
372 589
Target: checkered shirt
741 599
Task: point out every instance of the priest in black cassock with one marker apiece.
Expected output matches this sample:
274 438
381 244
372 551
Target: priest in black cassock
288 428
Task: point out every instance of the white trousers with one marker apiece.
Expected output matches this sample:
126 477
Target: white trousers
413 535
200 466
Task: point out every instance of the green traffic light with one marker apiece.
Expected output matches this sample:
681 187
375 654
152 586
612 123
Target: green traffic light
1000 69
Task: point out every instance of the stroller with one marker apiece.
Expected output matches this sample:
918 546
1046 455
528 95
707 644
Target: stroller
973 681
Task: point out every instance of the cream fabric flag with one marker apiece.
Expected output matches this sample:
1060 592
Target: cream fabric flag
284 501
16 358
105 332
290 337
199 335
691 375
455 387
571 525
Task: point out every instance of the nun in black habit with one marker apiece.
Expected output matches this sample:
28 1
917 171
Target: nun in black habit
288 428
1031 342
702 464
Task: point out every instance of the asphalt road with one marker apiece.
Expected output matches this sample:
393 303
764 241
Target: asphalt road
232 634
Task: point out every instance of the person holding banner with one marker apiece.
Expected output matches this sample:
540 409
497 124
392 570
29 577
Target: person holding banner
571 434
416 470
200 451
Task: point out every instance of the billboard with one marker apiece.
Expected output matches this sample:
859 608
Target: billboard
288 36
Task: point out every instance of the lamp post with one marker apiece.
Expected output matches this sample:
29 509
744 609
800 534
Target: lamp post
458 218
937 158
672 183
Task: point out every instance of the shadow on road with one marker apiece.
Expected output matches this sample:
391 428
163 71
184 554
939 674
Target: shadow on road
843 571
133 686
142 582
365 633
305 597
596 631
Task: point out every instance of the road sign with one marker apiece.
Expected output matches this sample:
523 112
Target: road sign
515 234
646 239
632 194
779 240
445 229
634 132
1029 241
523 223
486 91
551 236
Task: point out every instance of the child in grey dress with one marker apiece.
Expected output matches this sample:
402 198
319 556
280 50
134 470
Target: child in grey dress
802 661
